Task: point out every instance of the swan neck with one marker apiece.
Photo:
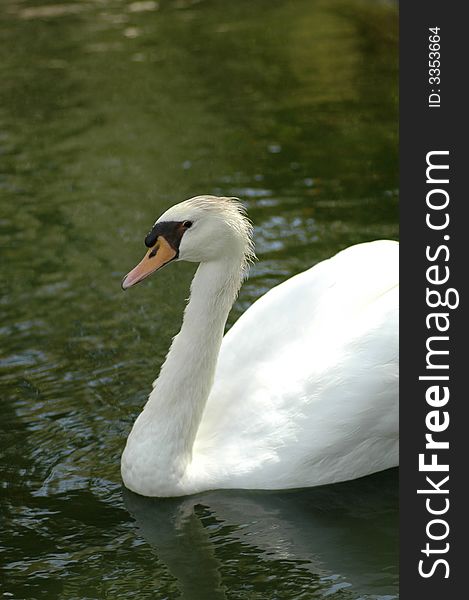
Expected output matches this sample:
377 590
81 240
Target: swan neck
213 291
178 399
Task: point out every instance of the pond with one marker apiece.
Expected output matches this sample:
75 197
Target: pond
111 111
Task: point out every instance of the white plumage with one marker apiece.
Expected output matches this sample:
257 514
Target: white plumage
302 390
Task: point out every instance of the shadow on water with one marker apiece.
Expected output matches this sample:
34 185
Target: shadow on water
306 543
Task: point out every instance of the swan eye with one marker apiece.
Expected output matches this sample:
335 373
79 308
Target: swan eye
187 224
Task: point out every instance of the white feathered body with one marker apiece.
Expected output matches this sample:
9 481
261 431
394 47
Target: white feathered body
306 385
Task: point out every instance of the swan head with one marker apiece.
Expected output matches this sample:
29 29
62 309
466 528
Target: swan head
201 229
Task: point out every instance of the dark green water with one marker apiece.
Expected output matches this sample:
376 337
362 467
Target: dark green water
110 111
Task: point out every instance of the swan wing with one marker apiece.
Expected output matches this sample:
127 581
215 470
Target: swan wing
305 390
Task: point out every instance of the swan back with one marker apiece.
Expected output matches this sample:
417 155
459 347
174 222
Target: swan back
307 377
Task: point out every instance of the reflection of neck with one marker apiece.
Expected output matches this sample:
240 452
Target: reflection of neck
171 418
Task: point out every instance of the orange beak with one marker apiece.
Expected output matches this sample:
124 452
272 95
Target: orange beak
158 256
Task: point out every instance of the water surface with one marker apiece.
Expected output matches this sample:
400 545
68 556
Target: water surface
110 111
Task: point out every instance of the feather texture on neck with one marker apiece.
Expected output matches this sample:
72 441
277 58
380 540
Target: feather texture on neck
166 429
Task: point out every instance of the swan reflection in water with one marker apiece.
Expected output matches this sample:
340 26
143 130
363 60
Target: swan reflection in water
303 543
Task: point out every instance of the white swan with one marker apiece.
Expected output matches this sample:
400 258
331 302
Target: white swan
302 391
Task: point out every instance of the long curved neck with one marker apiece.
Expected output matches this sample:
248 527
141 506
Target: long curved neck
180 393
